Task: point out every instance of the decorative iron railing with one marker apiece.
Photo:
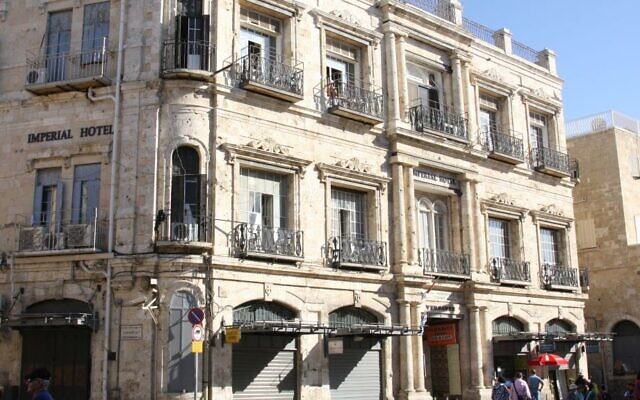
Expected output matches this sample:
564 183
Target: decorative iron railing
479 31
500 142
545 158
183 228
574 167
80 230
439 8
249 239
355 96
271 72
434 261
554 275
423 117
349 251
584 279
506 269
52 66
523 51
190 55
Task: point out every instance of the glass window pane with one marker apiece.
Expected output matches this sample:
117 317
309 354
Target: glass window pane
549 245
499 239
354 203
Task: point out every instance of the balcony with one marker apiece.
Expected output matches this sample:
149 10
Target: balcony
425 119
444 263
555 277
439 8
271 77
188 60
510 272
49 73
258 241
354 253
356 101
550 162
503 145
69 232
187 233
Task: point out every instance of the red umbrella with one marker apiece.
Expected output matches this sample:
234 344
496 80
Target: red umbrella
548 359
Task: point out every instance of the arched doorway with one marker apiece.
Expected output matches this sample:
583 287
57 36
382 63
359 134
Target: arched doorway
626 348
562 346
354 373
56 334
510 350
264 363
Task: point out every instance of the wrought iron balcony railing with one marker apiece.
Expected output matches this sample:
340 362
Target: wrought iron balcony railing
584 279
354 100
270 72
443 262
558 277
187 55
352 252
423 117
503 144
49 71
265 241
508 270
550 161
70 231
185 229
439 8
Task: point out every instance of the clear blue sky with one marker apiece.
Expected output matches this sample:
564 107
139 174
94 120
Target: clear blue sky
597 44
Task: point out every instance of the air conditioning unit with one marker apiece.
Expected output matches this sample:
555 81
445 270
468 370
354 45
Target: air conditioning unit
184 232
32 239
80 235
36 75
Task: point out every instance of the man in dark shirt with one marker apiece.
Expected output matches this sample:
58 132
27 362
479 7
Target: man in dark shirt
38 384
535 385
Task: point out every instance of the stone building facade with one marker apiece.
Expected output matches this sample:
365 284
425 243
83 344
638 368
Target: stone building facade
607 216
323 177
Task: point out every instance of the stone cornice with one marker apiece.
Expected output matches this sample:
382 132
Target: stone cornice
492 81
503 204
343 23
265 152
287 8
354 171
540 99
551 215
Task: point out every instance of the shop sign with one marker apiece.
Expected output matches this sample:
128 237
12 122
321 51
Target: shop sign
196 347
592 347
547 347
441 334
437 177
335 345
66 134
232 335
131 332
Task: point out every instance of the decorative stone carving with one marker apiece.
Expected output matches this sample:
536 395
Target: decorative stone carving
503 198
552 209
533 312
346 16
560 312
357 298
267 291
354 164
269 145
42 6
492 74
510 309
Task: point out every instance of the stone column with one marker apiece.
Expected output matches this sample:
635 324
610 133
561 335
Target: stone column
406 353
418 352
402 77
399 228
458 96
469 100
475 334
467 223
393 106
487 365
412 229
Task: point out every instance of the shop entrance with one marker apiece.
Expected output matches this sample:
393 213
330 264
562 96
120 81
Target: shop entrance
442 353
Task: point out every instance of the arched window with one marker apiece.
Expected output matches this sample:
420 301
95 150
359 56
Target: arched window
507 325
348 316
558 326
626 348
261 311
181 362
424 86
432 223
187 195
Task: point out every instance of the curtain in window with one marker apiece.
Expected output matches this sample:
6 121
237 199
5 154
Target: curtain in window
348 213
499 238
264 198
549 244
433 225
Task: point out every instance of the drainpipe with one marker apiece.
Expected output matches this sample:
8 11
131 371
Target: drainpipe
112 196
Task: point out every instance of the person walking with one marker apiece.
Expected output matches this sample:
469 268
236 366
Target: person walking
38 384
520 389
500 390
573 392
535 385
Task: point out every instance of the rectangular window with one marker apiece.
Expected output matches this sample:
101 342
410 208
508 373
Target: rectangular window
264 197
48 197
342 60
488 121
259 35
538 130
86 193
58 44
499 238
95 31
549 241
348 213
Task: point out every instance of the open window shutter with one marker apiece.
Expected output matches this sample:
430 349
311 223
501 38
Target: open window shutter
255 208
267 210
59 204
205 57
75 202
37 205
177 198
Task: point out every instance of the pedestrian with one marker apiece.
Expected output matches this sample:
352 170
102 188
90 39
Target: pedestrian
628 394
520 388
535 385
636 390
500 390
573 392
604 394
589 394
38 384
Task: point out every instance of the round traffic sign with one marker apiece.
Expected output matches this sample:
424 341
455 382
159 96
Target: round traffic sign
195 315
197 333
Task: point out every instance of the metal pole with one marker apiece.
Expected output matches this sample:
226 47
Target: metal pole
195 389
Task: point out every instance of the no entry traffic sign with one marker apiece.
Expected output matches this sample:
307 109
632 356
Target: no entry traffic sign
196 315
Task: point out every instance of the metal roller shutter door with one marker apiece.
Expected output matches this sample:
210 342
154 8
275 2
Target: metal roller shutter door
355 374
264 367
